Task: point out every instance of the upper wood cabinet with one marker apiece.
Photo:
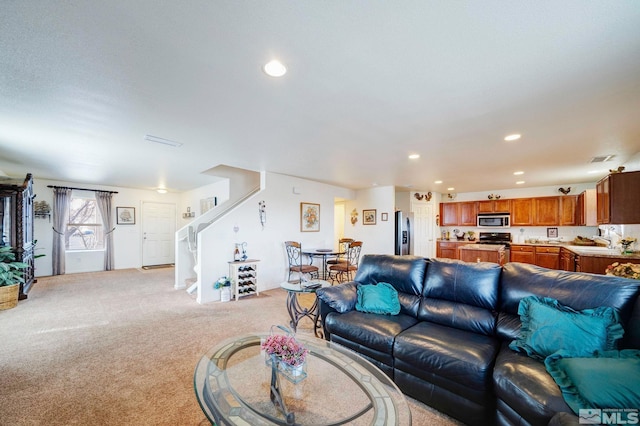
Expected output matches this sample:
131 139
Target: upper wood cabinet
448 214
568 210
494 206
522 212
586 208
546 211
458 214
467 213
618 198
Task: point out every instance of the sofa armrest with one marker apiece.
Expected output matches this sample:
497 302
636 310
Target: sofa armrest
342 298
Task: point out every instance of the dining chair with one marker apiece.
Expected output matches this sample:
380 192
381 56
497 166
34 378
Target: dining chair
343 245
296 265
344 271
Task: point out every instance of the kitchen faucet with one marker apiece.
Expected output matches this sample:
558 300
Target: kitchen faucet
609 239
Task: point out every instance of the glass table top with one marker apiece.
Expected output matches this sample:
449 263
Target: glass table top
232 384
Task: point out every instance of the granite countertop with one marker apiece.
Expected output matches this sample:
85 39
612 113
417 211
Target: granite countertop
483 247
593 251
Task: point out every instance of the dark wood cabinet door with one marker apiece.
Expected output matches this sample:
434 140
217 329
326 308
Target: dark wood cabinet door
501 206
602 200
548 257
448 214
467 213
546 211
523 254
569 210
522 212
448 250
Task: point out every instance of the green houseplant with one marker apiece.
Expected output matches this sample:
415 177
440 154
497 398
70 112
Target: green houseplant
11 276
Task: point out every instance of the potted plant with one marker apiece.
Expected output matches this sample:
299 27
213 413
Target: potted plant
11 276
224 285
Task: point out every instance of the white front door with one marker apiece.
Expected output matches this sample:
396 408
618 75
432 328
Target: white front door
158 233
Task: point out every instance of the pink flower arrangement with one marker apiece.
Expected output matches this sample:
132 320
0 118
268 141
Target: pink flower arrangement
286 348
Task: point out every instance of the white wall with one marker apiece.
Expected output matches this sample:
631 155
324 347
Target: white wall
378 238
267 245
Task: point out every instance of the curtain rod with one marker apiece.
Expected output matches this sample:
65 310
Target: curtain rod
81 189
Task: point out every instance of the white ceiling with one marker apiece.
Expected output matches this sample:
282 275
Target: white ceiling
369 82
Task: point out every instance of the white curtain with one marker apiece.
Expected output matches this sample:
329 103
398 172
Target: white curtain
60 213
103 200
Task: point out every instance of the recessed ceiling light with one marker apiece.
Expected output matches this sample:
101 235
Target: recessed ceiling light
518 173
450 189
414 156
513 137
520 182
438 182
274 68
161 191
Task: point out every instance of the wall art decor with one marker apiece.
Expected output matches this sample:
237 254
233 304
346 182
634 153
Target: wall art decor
384 217
125 215
369 217
309 217
207 204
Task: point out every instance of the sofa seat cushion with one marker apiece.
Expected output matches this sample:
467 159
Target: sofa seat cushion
369 330
525 386
457 360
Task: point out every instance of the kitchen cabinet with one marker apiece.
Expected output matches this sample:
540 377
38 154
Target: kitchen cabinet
523 254
467 213
568 205
586 208
522 212
482 253
448 214
546 211
567 260
449 249
548 257
598 265
494 206
617 198
458 214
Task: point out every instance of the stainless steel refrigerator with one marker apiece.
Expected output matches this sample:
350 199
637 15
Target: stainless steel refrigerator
404 233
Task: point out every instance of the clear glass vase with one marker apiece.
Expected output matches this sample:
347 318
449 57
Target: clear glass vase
295 374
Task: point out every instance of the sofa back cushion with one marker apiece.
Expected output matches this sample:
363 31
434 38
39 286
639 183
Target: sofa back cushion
578 290
461 295
404 273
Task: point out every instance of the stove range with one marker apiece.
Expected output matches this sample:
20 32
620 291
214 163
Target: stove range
497 238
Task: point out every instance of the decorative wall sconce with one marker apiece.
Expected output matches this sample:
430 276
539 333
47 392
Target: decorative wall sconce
493 197
354 216
420 197
262 212
565 191
189 213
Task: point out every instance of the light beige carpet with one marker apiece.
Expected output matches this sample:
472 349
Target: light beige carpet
120 348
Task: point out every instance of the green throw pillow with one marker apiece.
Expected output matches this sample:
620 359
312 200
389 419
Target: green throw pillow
378 299
609 380
548 326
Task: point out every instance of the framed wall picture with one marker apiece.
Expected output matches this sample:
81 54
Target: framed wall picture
384 217
125 215
552 232
309 217
369 217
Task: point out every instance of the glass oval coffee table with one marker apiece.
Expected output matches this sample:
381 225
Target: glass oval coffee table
232 383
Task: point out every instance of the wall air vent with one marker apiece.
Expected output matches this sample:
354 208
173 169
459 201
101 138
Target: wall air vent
602 158
162 141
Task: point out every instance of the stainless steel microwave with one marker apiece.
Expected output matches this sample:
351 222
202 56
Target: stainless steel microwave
494 220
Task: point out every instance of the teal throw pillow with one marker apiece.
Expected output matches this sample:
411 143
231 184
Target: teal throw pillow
548 326
378 299
609 380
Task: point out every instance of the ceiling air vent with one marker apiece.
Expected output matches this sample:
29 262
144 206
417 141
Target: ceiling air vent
163 141
602 158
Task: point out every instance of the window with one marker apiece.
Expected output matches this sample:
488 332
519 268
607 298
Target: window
84 226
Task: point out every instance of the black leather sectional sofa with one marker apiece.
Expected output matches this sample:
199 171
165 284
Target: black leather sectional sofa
449 345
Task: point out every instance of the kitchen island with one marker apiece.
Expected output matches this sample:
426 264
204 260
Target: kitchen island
483 253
